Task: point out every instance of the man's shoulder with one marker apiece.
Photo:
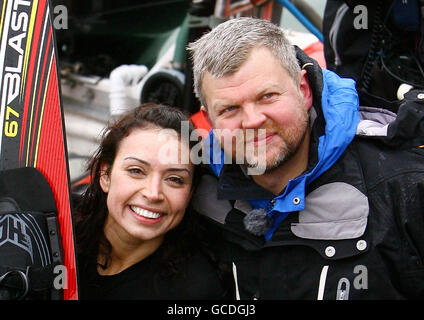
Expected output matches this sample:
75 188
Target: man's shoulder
370 147
381 162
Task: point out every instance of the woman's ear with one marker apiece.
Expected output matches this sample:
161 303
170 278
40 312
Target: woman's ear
104 177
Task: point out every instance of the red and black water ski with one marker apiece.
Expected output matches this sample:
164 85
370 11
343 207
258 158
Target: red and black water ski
31 117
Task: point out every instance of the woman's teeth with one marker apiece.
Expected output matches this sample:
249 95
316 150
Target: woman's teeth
145 213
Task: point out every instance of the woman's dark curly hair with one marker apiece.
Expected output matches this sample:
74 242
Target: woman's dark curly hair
92 210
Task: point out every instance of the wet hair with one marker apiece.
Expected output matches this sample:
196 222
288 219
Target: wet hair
226 47
91 211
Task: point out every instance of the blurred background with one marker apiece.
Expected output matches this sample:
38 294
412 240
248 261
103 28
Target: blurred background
115 55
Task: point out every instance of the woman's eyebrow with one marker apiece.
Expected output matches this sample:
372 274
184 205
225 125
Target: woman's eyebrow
172 169
138 160
179 170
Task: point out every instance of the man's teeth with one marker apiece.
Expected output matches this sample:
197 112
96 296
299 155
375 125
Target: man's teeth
145 213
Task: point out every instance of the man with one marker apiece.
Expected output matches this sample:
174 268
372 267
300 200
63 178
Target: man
335 208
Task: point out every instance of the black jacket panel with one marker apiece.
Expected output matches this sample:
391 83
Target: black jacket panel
385 262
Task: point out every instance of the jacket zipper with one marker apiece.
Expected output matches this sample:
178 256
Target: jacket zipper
343 289
334 32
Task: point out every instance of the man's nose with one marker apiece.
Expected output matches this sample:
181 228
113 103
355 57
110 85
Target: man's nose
252 117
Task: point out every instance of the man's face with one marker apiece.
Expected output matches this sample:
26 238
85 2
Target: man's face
263 111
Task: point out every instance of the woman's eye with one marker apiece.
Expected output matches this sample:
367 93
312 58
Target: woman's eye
135 171
176 180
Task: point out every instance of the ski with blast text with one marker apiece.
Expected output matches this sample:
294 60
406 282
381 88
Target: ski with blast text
32 132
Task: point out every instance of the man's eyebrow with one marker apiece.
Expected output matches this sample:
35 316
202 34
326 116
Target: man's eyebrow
220 104
267 89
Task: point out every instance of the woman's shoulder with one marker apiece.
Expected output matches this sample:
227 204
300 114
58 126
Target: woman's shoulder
197 279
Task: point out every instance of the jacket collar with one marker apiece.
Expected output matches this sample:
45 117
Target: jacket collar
336 106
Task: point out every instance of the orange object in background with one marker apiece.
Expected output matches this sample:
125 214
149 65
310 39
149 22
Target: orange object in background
200 121
316 51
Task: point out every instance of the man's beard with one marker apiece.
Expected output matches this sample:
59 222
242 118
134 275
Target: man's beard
259 161
239 144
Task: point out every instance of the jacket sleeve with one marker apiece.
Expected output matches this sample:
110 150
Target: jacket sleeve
398 200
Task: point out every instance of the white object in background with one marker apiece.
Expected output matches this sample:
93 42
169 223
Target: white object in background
120 78
402 90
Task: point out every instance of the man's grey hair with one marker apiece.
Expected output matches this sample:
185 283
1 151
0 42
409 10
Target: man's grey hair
225 48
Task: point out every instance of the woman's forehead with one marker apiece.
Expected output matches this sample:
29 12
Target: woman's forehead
156 146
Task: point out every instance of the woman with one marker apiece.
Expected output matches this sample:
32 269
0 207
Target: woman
136 235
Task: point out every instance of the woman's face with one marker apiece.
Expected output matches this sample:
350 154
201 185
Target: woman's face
148 187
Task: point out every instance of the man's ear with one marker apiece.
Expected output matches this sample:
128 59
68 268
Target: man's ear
104 177
205 113
305 89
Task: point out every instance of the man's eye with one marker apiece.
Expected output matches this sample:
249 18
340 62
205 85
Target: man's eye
268 95
228 109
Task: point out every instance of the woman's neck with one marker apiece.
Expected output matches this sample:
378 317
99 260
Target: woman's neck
126 251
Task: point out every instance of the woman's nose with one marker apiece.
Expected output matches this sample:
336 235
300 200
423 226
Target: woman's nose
152 189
